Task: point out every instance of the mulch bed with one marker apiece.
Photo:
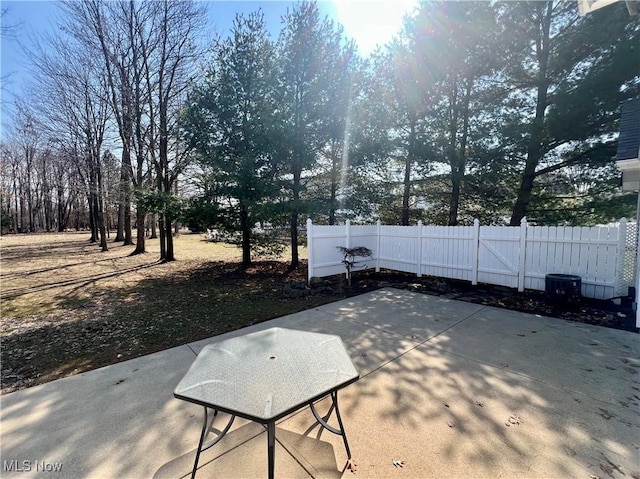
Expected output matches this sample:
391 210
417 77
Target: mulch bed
583 310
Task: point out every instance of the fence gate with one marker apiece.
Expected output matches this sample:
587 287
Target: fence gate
499 255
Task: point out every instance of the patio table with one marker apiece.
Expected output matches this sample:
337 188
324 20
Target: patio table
265 376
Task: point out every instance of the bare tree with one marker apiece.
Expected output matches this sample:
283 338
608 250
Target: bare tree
73 100
169 72
28 138
12 187
148 53
98 26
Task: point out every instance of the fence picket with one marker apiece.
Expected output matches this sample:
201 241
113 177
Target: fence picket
310 250
522 251
608 259
419 249
619 261
592 267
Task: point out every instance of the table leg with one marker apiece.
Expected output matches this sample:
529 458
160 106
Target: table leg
206 429
334 396
271 447
323 421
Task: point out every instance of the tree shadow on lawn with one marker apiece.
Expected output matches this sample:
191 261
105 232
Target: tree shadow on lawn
17 253
78 283
56 267
113 325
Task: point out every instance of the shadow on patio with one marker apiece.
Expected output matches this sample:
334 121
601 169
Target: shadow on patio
451 389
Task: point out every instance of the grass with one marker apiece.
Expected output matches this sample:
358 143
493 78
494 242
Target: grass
67 307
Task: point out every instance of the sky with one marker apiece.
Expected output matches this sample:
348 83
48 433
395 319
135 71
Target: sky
369 22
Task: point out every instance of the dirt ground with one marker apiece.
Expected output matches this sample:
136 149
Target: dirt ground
66 307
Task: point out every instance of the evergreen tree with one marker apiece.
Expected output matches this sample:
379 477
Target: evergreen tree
569 75
228 126
307 61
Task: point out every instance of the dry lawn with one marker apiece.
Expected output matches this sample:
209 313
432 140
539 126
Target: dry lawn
67 307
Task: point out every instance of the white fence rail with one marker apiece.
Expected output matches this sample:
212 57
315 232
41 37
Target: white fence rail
513 256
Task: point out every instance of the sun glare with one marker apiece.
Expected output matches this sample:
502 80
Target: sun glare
372 22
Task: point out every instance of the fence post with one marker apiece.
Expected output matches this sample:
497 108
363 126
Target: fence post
348 234
523 251
378 233
347 226
475 246
419 248
309 250
622 244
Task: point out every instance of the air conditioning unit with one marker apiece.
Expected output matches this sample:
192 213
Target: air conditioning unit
563 287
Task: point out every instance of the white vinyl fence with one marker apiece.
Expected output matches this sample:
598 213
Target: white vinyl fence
513 256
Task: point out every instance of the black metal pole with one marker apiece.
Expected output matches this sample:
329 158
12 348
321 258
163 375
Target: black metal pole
271 447
202 436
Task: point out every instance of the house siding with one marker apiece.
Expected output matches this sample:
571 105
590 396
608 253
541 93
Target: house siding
629 139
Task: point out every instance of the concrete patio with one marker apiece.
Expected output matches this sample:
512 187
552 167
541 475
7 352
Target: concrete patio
452 389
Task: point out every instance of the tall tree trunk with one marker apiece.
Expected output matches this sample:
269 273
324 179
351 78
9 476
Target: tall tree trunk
169 256
406 191
163 235
120 222
454 204
22 214
163 179
406 194
335 179
128 234
92 218
459 156
121 203
153 220
332 200
453 152
60 209
295 258
99 222
141 217
246 236
16 221
535 150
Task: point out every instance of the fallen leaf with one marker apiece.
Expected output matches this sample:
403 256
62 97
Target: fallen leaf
607 469
514 419
398 463
451 424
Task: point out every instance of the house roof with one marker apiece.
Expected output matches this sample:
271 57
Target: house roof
587 6
629 139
